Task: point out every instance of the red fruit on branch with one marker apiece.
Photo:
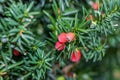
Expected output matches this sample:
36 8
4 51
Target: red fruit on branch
69 74
62 38
90 18
59 46
16 52
76 56
87 19
70 36
95 6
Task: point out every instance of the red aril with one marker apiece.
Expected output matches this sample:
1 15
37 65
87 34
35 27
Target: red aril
76 56
16 52
70 36
62 38
90 17
95 6
59 46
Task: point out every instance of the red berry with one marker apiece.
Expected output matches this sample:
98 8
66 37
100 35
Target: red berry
62 38
95 6
70 74
87 19
59 46
76 56
90 18
16 52
70 36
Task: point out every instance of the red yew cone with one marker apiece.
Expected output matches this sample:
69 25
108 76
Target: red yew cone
90 18
95 6
76 56
59 46
70 36
16 52
62 38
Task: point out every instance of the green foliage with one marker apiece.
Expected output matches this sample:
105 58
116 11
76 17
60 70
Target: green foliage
37 65
91 35
18 30
16 34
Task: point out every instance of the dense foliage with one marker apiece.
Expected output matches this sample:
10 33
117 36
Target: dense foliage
44 39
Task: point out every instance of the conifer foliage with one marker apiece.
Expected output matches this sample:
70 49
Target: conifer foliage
34 35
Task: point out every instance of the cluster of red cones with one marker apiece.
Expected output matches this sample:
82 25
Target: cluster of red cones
60 45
